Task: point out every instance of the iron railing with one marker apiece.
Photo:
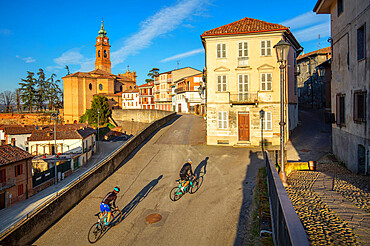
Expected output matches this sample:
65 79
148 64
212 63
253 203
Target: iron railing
287 229
243 62
244 98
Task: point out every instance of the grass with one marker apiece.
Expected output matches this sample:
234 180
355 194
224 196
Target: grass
260 208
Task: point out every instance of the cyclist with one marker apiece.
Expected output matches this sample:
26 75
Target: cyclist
105 205
185 173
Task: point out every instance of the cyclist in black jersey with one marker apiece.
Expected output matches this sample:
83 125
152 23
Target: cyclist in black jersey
185 173
108 200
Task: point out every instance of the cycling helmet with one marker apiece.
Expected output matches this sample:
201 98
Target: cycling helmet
116 189
189 161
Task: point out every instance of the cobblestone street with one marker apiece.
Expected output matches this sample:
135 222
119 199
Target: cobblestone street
332 216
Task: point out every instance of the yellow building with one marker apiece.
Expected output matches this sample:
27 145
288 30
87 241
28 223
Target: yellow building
243 77
80 87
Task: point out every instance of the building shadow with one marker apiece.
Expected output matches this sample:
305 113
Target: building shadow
249 182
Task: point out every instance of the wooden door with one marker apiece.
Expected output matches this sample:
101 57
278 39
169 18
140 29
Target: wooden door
179 107
243 125
2 200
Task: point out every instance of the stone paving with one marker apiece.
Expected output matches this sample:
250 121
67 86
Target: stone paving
338 216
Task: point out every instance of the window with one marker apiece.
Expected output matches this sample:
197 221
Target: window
340 109
340 6
20 189
90 86
18 170
221 50
266 82
243 49
361 43
100 87
266 48
243 83
359 106
267 121
222 120
105 54
2 176
221 83
99 53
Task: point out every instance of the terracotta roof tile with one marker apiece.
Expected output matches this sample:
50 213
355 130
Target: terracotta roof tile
246 25
326 50
149 84
48 134
131 91
10 154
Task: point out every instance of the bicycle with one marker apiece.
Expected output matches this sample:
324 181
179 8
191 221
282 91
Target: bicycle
98 228
177 192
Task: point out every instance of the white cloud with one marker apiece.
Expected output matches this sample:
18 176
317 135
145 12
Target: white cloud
313 32
26 59
73 57
165 20
306 19
183 55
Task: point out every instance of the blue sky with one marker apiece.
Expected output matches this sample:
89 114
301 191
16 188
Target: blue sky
143 34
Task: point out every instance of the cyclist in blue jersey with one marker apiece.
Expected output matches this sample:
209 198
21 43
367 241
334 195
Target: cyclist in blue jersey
108 200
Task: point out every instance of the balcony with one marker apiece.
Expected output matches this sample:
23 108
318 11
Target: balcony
156 82
244 98
9 183
177 90
169 80
157 92
243 61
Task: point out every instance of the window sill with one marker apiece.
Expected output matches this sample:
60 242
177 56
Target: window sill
359 121
362 59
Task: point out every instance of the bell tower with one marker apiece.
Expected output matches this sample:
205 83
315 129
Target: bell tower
102 46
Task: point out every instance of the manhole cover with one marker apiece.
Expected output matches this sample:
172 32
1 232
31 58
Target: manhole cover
153 218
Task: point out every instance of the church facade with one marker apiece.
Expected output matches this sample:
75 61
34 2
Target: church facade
80 87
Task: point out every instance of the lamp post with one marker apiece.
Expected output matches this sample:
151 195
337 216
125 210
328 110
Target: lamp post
55 118
321 72
282 50
262 115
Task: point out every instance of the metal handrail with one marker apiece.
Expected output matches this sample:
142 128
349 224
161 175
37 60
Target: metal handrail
287 229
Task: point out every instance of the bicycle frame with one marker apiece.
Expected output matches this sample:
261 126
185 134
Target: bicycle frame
179 192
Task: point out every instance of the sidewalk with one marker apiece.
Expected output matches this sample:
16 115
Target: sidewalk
338 215
11 215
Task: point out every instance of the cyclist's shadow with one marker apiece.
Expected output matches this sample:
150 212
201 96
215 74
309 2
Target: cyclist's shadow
134 202
199 173
139 197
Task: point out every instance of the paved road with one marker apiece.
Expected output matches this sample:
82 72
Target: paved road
212 216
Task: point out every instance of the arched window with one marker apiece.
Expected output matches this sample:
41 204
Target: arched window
105 54
90 86
130 87
100 87
99 53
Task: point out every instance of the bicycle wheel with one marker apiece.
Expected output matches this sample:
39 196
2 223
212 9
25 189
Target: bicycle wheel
174 194
95 232
196 184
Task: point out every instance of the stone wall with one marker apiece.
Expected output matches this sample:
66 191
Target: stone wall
138 115
29 229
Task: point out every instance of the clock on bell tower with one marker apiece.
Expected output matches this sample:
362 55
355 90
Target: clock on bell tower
102 46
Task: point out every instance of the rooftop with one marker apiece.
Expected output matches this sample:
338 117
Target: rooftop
10 154
324 51
246 25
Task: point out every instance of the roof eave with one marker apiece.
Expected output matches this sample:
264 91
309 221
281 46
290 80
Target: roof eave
240 33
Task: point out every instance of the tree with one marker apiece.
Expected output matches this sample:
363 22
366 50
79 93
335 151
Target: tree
91 115
54 93
18 100
7 98
28 90
152 73
42 89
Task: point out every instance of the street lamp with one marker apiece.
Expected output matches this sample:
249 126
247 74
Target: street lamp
282 50
55 118
262 115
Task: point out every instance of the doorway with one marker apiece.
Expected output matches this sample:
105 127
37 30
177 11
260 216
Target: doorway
243 126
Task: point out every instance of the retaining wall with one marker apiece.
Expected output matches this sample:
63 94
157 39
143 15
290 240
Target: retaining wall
139 115
26 231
